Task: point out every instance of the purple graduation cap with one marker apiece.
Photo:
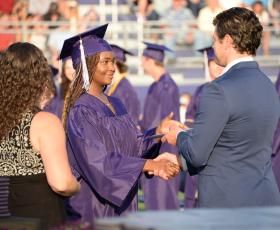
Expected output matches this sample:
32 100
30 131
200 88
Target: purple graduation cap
208 55
83 45
209 52
155 51
120 53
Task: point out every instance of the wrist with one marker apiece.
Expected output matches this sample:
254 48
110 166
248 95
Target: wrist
148 166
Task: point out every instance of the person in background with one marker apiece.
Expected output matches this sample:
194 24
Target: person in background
276 143
263 15
161 100
212 71
56 105
185 99
106 150
121 87
33 153
229 145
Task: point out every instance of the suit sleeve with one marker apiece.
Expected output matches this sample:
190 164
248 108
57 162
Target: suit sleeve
197 144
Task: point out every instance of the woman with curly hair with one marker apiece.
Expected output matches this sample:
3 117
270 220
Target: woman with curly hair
33 155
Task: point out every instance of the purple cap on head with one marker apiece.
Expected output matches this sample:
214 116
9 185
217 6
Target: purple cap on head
209 51
120 53
92 42
155 51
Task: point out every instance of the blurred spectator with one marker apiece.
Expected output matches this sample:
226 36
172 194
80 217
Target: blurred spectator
20 10
206 15
89 20
161 8
185 99
6 6
53 15
232 3
73 16
195 6
56 39
38 6
37 36
275 13
145 9
177 18
263 16
248 3
6 38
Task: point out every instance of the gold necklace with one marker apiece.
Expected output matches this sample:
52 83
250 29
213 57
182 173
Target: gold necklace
105 101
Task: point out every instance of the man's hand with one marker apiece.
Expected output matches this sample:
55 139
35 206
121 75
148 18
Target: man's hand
171 136
167 123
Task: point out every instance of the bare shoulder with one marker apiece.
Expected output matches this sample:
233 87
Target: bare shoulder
45 119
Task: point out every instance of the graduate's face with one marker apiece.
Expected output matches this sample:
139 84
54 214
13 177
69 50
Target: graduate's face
105 69
146 64
69 71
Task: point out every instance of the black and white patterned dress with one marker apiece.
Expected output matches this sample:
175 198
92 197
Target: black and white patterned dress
24 190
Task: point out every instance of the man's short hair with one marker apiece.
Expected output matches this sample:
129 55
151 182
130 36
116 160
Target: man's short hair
243 26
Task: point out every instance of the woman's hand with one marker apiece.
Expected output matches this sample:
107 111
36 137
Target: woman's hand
161 167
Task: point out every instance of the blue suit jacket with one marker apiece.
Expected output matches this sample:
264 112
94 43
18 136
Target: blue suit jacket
230 143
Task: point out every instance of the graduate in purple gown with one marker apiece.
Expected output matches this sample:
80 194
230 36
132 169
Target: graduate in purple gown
161 100
212 71
55 106
276 144
121 87
106 150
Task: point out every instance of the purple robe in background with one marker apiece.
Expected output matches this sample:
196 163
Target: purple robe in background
191 181
162 98
276 144
126 93
105 151
55 106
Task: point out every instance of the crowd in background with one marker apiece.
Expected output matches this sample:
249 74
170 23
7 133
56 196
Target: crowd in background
49 22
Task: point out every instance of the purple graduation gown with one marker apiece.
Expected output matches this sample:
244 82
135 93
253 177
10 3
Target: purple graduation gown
105 151
55 106
126 93
276 144
191 181
162 98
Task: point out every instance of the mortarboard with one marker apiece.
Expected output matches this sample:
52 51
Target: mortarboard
83 45
208 55
93 43
120 53
209 52
155 51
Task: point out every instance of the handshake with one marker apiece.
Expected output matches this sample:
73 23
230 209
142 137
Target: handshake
167 165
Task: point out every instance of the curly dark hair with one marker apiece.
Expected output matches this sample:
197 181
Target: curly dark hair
76 88
243 26
25 81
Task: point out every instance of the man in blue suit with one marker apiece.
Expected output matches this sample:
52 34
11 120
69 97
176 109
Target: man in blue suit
229 146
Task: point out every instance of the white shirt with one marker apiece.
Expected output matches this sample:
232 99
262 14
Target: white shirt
234 62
